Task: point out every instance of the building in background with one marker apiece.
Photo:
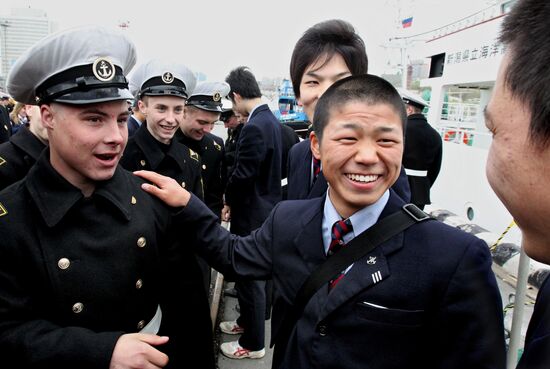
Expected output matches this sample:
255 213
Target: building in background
19 30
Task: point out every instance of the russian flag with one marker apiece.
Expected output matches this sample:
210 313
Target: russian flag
407 22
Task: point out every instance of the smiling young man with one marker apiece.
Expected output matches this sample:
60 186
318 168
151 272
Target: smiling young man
327 52
361 153
84 261
202 110
162 89
425 298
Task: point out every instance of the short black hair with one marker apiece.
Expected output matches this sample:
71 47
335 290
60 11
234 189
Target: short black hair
328 38
225 115
525 32
243 82
365 88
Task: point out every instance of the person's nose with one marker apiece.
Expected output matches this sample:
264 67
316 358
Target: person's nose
116 133
367 153
170 116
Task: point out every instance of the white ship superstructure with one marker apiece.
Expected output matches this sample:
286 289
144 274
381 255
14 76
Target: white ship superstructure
464 59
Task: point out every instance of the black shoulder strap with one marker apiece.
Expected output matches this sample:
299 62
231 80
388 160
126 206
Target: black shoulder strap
360 246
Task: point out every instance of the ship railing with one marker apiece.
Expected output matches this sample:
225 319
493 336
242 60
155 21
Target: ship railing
461 112
464 136
482 16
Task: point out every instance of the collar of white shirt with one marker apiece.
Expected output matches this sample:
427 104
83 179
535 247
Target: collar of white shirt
360 220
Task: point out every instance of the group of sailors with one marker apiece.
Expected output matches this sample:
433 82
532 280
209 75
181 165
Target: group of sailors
108 240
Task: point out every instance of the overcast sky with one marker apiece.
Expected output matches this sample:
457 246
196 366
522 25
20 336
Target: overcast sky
215 36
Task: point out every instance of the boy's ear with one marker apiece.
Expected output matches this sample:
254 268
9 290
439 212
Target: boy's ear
236 97
142 107
314 145
47 116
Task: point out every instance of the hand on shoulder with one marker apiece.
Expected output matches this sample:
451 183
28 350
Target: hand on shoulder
165 188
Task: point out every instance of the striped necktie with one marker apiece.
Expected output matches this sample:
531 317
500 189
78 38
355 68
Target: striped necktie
339 229
316 169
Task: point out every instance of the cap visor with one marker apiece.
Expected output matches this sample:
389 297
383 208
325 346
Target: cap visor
217 109
95 96
166 93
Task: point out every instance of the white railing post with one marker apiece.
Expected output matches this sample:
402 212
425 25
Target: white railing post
519 305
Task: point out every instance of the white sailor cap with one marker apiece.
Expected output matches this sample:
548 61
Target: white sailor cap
208 96
76 66
227 105
412 98
162 78
227 109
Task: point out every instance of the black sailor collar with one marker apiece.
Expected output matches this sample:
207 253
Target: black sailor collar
28 142
55 196
196 146
153 153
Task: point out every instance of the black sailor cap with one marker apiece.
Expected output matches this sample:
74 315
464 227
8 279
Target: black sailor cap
82 65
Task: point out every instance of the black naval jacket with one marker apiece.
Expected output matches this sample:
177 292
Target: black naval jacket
423 151
76 273
143 151
18 155
190 276
212 156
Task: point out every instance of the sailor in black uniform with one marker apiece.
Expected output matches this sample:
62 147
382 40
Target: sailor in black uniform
423 150
84 248
162 89
203 108
234 125
20 153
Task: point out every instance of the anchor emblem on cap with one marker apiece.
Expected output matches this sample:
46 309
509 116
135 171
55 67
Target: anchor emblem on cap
103 69
217 96
167 77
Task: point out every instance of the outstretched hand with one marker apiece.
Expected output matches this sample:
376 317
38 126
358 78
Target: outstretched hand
165 188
